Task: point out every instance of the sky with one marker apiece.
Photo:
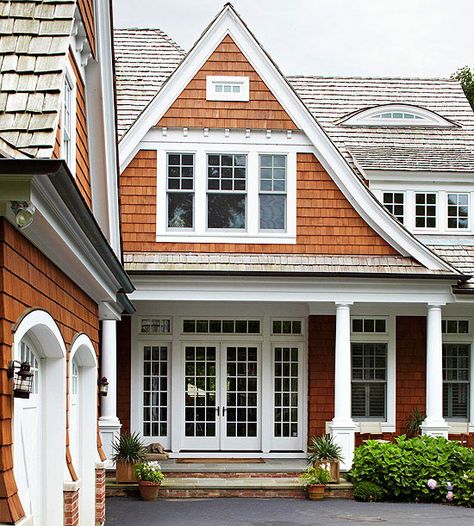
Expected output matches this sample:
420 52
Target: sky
422 38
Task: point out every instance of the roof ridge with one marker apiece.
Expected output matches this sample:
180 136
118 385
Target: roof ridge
376 77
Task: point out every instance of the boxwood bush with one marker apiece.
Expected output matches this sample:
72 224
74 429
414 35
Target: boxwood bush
366 491
403 468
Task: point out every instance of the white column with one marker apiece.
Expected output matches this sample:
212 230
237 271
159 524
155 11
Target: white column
434 423
109 424
342 426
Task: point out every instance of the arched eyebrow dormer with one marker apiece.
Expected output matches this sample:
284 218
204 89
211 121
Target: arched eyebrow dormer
396 115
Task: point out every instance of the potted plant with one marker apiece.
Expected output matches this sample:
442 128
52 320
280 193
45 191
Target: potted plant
128 451
323 450
315 480
149 477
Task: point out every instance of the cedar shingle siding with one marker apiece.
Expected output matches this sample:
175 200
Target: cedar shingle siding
191 109
326 222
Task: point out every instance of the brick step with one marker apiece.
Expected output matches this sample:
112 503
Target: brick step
209 487
219 474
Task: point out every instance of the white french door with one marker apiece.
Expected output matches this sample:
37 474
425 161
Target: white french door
222 397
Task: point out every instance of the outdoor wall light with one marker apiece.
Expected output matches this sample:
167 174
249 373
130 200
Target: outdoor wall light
24 213
23 381
103 386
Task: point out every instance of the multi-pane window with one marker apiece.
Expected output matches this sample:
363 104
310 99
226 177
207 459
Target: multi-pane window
155 326
74 378
286 327
226 191
394 202
272 192
180 186
458 211
155 390
455 326
286 392
369 325
425 210
221 326
456 380
67 110
369 380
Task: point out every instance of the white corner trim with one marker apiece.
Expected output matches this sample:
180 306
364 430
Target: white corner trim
228 23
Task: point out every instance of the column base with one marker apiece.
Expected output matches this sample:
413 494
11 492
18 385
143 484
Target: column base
343 433
435 428
109 428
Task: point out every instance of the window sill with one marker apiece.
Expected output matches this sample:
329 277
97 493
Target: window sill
244 238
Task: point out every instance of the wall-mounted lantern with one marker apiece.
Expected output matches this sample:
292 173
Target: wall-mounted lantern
103 386
22 379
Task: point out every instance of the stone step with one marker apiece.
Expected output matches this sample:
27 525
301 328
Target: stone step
231 474
209 487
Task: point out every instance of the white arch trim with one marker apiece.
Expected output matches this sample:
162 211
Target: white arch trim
83 352
40 327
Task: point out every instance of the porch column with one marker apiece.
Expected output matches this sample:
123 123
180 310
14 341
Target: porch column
434 423
342 426
109 424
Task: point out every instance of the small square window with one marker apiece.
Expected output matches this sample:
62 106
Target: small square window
227 88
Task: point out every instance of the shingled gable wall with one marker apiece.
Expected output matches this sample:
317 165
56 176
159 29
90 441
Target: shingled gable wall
262 111
326 221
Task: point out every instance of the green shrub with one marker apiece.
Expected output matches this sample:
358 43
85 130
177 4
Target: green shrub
403 468
463 490
367 491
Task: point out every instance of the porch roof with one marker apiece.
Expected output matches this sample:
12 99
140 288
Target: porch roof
163 262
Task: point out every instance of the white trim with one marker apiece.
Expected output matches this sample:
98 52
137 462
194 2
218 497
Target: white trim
228 23
42 328
71 81
213 94
423 118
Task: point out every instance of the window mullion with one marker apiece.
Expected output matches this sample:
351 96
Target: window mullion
252 194
200 198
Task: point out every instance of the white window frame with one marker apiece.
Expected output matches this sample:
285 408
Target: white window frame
212 82
200 233
70 80
389 424
273 192
457 425
436 205
180 191
393 204
457 228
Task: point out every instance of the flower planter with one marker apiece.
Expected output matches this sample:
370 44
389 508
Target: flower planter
334 470
315 491
125 471
149 490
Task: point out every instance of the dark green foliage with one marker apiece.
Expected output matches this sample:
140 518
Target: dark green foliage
129 448
414 422
404 467
366 491
464 490
324 448
465 76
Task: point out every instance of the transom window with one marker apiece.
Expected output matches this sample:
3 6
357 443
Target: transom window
226 187
394 202
180 190
396 115
369 380
286 327
425 210
369 325
456 372
272 192
458 211
455 326
221 326
155 326
227 88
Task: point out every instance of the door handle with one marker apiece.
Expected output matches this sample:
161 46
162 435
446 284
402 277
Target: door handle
223 411
218 410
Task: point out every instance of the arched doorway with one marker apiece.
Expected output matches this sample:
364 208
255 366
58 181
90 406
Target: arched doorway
83 422
39 422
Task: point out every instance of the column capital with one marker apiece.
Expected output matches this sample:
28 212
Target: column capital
435 305
342 304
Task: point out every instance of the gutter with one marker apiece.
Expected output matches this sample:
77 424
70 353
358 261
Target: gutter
61 178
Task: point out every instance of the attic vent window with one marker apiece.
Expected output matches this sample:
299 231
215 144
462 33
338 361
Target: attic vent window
227 88
396 115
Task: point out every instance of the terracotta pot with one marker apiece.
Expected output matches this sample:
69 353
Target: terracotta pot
125 471
149 490
315 491
334 470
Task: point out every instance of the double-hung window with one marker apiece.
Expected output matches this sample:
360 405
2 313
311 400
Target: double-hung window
394 202
425 210
226 191
456 374
458 211
272 192
180 191
369 380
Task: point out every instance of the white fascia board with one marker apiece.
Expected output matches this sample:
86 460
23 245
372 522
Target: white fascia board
67 247
228 23
298 289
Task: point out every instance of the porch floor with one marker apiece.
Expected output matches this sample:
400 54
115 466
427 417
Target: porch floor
270 465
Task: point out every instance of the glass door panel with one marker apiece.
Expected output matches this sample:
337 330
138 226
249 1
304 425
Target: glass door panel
201 397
